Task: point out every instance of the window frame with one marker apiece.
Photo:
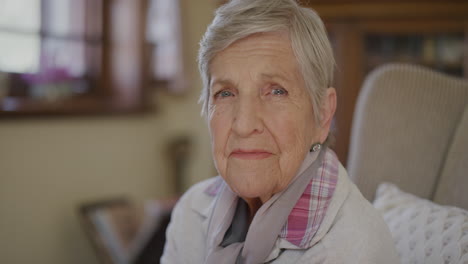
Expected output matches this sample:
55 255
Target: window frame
121 83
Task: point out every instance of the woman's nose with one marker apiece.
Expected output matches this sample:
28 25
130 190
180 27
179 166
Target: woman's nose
247 120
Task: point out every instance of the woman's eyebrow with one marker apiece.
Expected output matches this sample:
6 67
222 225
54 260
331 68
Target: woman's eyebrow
275 76
264 76
221 82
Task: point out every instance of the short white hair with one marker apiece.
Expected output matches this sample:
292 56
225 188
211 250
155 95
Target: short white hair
239 19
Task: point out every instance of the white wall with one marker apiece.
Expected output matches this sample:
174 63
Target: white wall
49 166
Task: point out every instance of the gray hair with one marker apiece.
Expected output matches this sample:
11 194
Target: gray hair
241 18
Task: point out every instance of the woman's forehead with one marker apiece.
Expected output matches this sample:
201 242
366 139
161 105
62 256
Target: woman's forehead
261 43
267 56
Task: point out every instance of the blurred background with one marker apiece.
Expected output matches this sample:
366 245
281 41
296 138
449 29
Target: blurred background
98 99
79 123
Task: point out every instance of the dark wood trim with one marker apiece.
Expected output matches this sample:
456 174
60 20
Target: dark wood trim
465 61
412 26
85 105
348 49
358 10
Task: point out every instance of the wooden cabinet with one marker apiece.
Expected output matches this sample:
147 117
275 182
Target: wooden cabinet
366 34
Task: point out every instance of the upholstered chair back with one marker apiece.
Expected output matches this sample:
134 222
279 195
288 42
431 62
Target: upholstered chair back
410 128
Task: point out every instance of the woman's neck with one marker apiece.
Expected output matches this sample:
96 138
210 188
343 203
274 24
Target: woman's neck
254 204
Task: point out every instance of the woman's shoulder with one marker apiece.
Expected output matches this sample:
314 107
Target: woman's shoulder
359 228
360 213
186 233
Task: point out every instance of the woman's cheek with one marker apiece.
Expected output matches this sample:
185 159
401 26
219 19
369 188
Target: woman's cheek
219 131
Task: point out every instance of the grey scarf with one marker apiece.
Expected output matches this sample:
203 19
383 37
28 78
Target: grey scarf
266 224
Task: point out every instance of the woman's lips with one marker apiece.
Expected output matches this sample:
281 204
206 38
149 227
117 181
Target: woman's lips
250 154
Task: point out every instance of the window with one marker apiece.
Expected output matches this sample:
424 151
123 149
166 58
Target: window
164 37
71 56
19 36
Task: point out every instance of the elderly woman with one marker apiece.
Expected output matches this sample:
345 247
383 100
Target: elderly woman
282 196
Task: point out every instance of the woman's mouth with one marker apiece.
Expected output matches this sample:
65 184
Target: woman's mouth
253 154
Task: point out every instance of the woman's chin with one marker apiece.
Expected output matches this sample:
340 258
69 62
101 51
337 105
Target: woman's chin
252 185
251 192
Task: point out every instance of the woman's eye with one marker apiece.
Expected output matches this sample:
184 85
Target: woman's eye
279 91
223 94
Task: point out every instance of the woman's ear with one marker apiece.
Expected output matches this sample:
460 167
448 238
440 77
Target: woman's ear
328 111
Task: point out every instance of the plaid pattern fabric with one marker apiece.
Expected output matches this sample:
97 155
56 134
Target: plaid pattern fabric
309 211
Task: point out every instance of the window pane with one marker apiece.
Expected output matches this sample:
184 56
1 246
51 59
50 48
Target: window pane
19 52
20 14
62 72
65 55
164 31
64 17
49 49
72 18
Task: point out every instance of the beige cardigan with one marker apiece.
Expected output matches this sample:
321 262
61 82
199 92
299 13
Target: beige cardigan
351 232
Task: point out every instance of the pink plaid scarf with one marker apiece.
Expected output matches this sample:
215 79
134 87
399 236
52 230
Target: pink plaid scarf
295 214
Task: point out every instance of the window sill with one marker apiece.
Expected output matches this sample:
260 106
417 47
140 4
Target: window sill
79 106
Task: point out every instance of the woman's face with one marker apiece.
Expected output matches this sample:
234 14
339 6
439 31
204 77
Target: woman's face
260 116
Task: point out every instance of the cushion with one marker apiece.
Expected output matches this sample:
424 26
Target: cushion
424 232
